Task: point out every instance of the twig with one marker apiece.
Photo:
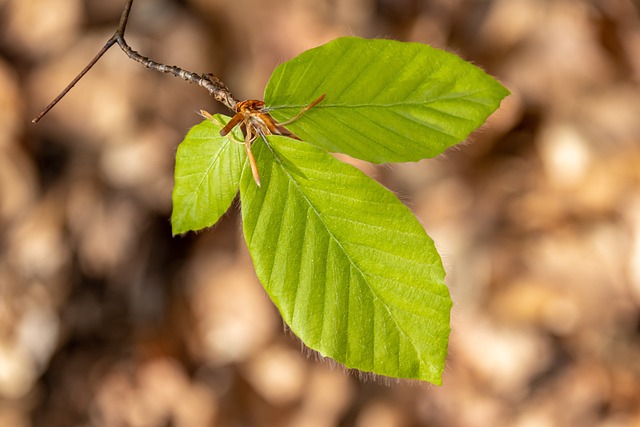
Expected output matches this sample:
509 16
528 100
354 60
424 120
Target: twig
84 71
215 86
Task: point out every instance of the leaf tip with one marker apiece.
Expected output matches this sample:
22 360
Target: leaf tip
175 231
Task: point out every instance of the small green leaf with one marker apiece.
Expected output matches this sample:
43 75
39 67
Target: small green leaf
351 270
207 176
386 101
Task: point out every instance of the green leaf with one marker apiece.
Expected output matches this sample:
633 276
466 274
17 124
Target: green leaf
207 176
386 101
351 270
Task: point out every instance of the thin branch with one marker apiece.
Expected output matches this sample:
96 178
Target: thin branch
84 71
124 18
215 86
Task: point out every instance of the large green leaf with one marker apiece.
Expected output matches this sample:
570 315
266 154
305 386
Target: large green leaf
352 271
207 176
386 101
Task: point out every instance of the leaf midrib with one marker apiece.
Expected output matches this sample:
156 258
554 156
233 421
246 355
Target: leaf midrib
196 193
422 102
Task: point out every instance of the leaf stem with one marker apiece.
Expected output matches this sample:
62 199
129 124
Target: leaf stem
214 85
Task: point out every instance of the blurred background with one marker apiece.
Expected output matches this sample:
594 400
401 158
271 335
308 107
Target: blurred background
106 320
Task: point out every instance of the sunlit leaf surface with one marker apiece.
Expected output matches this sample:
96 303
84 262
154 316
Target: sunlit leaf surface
207 176
352 271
